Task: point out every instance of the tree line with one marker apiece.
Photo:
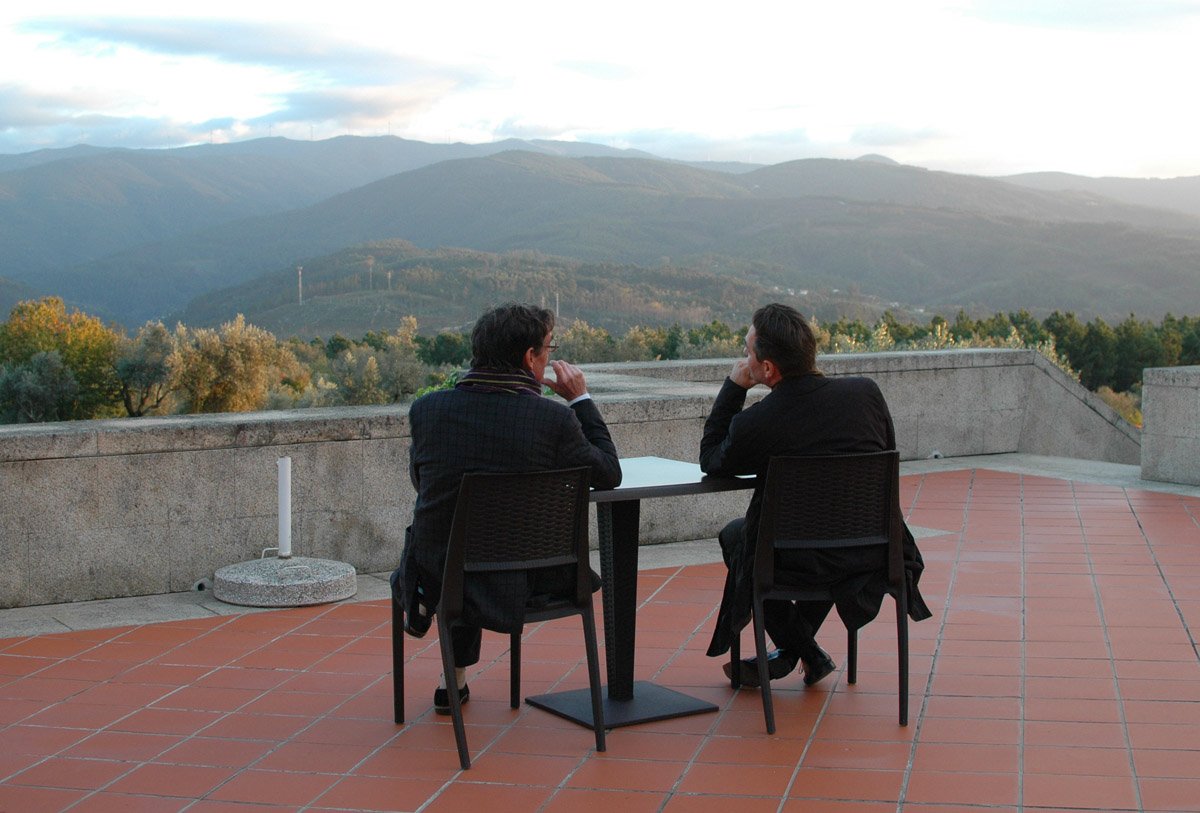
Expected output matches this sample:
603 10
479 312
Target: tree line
60 364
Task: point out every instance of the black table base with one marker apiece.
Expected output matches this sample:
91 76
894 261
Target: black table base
650 702
618 512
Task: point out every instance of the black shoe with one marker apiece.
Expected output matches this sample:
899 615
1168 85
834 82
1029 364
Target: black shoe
441 699
779 664
818 668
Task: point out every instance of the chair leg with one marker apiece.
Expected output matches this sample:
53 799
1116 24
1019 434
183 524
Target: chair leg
593 664
851 655
764 675
460 731
902 649
514 670
735 655
398 662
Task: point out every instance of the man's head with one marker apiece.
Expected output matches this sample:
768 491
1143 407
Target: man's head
781 336
504 336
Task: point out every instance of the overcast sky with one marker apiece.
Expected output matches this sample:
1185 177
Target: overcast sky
1093 87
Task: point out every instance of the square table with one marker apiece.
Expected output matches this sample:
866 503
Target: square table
618 511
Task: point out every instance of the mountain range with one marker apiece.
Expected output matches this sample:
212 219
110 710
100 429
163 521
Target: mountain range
193 233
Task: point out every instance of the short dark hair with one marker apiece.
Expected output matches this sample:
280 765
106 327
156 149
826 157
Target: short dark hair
786 338
503 334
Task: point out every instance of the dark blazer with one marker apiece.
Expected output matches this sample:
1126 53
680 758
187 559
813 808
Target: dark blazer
463 430
802 415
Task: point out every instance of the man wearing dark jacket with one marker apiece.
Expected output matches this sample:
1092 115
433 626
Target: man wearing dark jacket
804 414
494 420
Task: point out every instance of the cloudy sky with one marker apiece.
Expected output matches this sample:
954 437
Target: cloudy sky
1094 87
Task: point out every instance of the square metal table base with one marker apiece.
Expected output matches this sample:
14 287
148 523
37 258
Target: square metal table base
650 702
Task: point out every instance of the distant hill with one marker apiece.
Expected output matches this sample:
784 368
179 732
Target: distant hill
1179 194
61 208
137 234
898 233
447 289
10 294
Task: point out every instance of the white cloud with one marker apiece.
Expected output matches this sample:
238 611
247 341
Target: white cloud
1097 87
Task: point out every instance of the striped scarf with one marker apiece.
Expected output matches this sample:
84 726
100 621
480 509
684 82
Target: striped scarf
493 379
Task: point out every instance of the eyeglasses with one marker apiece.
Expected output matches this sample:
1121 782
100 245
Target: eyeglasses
552 347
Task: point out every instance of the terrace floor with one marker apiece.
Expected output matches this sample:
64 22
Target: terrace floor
1059 673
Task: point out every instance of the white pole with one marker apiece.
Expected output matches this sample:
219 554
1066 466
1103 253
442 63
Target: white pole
285 508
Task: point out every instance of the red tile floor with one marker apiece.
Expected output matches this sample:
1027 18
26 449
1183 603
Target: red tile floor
1059 673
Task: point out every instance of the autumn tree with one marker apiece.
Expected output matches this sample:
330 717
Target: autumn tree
84 346
232 369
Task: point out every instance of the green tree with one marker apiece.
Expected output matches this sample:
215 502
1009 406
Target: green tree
42 388
1096 360
143 370
1136 346
445 348
83 343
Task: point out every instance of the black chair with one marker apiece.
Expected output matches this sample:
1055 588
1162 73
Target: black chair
503 523
828 502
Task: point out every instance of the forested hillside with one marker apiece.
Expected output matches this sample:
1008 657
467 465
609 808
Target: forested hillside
132 235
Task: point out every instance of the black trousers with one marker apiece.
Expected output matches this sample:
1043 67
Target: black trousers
792 625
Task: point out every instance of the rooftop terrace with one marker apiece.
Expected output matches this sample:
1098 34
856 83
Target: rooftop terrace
1059 673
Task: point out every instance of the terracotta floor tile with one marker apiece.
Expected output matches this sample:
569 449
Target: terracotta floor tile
962 788
971 731
216 752
39 740
1076 760
494 798
72 714
760 751
314 756
576 800
210 806
81 774
841 806
373 793
514 769
566 741
1097 735
1178 794
166 721
618 774
105 802
847 784
737 779
21 799
191 781
122 745
1161 736
257 726
933 757
1103 792
274 787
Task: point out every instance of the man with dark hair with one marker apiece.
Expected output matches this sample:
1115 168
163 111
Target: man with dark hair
494 420
804 414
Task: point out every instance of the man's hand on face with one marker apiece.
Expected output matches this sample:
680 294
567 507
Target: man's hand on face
568 380
741 373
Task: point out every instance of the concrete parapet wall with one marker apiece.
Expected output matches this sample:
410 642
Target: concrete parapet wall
98 509
1171 421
